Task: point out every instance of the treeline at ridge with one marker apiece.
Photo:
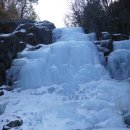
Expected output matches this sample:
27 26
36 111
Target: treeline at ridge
100 15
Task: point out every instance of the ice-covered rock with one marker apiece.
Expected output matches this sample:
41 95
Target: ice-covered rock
118 61
119 64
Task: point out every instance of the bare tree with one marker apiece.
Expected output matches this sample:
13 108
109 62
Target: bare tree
17 9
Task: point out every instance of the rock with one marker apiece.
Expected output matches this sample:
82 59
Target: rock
1 92
13 124
119 37
127 120
9 47
33 48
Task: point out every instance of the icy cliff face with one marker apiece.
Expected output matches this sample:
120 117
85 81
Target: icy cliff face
70 61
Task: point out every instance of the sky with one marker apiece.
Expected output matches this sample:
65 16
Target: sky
52 10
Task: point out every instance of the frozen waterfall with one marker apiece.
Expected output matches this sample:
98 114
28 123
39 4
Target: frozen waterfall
63 86
71 60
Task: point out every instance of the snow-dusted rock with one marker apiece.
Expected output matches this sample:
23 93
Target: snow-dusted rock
105 46
105 35
41 32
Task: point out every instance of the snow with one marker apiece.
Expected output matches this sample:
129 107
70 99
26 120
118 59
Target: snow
5 35
97 104
63 86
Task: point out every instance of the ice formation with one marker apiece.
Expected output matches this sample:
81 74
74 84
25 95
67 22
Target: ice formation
119 60
71 60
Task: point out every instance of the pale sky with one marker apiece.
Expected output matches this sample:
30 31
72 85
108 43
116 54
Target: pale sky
52 10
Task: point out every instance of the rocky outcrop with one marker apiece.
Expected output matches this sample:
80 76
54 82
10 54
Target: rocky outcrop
35 33
119 37
113 37
9 47
12 43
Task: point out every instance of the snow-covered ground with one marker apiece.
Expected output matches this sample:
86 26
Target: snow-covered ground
63 86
